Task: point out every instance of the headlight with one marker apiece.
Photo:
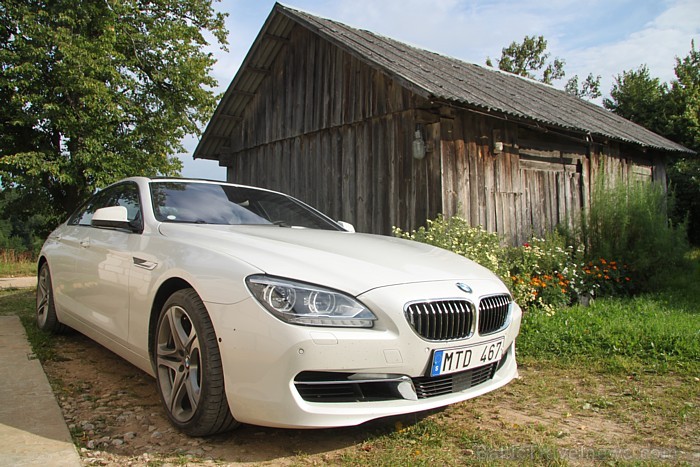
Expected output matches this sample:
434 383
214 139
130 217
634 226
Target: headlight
297 303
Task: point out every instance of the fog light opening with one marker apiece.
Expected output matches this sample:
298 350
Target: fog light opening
407 390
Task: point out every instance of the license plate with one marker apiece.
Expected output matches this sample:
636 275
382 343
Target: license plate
465 358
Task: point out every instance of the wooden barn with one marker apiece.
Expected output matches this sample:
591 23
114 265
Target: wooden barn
379 133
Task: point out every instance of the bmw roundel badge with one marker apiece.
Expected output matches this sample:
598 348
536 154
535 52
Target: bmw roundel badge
464 287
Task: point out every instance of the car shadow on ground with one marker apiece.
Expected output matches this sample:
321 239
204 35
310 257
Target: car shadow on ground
112 408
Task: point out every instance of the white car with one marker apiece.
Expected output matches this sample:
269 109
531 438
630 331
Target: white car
248 306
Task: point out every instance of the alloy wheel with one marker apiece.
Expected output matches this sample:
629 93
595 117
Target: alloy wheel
178 360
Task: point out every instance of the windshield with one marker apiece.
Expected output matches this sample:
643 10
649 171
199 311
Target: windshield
209 203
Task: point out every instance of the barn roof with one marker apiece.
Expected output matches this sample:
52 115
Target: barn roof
428 74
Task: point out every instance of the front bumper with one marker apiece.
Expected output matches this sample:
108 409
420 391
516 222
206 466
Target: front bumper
283 375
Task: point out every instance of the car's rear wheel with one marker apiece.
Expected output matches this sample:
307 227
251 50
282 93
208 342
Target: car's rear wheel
188 367
46 318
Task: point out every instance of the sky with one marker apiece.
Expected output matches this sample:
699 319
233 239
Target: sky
603 37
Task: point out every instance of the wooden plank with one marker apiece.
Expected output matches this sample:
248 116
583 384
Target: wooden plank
378 179
349 196
461 178
324 174
434 186
362 179
448 169
310 87
336 174
394 171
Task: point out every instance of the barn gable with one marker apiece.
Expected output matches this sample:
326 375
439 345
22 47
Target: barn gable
331 114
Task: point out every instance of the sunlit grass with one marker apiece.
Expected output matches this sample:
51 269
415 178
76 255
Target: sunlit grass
14 264
660 331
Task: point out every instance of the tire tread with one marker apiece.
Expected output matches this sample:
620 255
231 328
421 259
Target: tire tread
215 416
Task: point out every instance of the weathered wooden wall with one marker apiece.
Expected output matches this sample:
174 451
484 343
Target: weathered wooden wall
335 133
331 130
535 181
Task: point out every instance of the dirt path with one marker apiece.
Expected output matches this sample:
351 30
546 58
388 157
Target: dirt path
114 409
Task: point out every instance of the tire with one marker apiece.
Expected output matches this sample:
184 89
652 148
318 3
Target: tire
46 318
188 367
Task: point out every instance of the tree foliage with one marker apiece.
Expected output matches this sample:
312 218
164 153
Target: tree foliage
684 122
589 89
531 60
95 90
674 112
640 98
684 100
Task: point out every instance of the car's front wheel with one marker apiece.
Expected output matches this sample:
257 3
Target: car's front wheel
188 367
46 318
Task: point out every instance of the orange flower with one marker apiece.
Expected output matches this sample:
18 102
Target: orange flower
602 261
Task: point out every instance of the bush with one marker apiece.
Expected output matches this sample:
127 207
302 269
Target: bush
538 273
628 222
541 272
455 234
626 244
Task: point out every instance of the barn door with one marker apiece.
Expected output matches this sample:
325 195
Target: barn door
552 190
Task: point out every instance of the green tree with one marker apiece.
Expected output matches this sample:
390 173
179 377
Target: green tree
589 89
531 60
684 123
684 100
674 112
95 90
640 98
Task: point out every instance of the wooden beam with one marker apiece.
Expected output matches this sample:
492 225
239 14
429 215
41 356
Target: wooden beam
276 38
243 93
229 117
426 117
262 71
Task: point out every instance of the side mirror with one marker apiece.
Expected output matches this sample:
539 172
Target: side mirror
113 217
347 226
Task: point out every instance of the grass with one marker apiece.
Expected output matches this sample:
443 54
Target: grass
619 378
658 331
14 264
22 303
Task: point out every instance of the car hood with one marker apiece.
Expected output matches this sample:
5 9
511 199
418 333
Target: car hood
352 262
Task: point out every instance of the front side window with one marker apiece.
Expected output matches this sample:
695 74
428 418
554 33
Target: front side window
124 194
209 203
